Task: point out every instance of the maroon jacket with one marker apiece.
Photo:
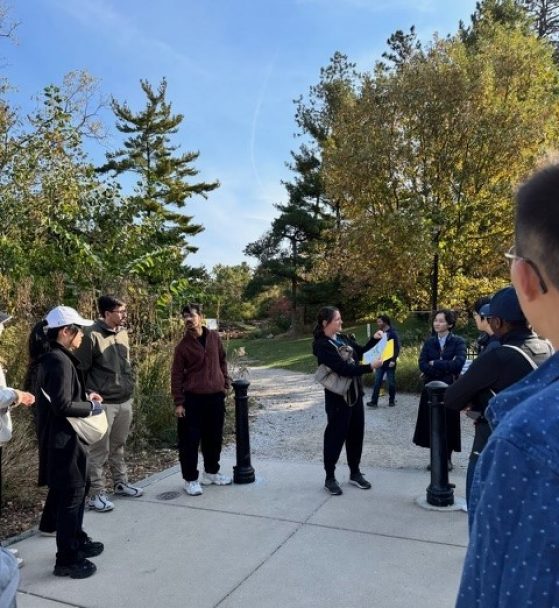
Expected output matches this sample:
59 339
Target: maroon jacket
197 369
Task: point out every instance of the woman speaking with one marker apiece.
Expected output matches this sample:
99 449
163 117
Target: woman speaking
345 414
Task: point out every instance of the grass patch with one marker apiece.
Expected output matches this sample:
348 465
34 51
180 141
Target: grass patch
296 354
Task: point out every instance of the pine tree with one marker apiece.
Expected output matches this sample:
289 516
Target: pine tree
163 185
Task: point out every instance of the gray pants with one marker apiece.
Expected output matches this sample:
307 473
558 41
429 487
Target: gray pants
111 447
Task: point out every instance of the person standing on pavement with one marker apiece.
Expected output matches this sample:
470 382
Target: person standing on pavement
346 421
63 458
105 361
388 367
9 399
441 358
199 384
519 352
513 553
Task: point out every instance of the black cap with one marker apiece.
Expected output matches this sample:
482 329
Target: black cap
505 305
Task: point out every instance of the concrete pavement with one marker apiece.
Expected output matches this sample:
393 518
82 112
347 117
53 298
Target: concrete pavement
279 542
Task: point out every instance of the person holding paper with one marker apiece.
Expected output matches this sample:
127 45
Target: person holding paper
346 423
442 358
389 364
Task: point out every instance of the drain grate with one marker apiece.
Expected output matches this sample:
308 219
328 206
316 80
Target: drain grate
168 495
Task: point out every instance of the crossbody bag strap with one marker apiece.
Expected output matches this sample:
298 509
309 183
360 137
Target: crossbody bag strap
529 359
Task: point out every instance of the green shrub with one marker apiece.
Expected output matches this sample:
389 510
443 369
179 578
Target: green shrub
154 411
407 373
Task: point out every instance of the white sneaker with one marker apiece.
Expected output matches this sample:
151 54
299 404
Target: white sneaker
100 502
193 488
216 478
125 489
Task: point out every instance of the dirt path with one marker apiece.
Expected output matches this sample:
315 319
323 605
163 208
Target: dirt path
288 423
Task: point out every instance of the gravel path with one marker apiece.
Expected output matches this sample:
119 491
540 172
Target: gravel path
288 423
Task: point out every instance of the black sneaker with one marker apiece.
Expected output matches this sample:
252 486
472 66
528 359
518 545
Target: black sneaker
81 569
332 486
90 548
372 404
358 480
391 403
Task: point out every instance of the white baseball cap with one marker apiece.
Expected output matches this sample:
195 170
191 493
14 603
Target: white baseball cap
64 315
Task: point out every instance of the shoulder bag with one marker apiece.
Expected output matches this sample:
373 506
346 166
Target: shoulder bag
90 429
332 381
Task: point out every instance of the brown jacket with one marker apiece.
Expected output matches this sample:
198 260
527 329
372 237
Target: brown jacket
197 369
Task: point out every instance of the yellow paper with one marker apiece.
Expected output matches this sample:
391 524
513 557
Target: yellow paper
388 351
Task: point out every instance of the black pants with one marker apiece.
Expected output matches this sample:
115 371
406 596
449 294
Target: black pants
345 424
70 504
48 516
201 424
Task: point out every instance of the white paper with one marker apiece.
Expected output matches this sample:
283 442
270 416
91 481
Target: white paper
375 352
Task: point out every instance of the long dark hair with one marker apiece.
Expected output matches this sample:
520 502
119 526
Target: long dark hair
326 313
37 346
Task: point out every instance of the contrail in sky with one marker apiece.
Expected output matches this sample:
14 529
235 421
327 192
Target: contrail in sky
259 103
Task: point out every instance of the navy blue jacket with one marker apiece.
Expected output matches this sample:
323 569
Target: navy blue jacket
447 363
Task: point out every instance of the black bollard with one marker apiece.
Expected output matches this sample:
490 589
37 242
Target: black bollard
243 471
439 493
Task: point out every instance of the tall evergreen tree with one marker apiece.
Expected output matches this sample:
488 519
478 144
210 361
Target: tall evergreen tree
288 251
164 175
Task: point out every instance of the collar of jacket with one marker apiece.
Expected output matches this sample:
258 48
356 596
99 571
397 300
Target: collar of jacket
517 335
103 325
68 353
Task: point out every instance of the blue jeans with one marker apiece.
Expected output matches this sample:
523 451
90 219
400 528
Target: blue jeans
391 377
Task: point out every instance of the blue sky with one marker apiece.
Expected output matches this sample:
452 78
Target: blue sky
233 69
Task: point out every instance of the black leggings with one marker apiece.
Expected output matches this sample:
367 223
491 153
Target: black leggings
345 424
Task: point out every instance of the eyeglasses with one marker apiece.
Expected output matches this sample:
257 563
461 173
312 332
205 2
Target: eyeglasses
120 312
511 255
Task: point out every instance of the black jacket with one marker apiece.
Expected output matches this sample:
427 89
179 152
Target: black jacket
327 354
62 456
447 362
497 369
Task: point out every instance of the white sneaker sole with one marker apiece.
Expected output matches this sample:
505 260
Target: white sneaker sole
139 492
209 482
358 485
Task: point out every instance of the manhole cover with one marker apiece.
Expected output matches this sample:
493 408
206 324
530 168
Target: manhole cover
168 495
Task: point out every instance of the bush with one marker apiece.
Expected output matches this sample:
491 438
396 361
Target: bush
407 374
